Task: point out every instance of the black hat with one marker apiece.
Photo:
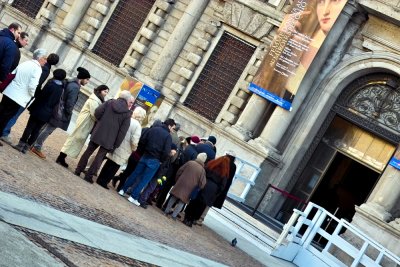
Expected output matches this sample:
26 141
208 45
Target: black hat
59 74
212 139
83 73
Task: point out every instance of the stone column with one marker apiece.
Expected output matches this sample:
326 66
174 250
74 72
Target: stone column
177 40
250 117
74 16
386 193
280 120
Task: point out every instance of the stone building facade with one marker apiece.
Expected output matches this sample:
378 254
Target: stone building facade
333 148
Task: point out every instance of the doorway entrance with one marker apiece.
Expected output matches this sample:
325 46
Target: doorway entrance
343 169
346 183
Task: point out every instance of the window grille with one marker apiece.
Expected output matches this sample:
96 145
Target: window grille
121 29
219 76
28 7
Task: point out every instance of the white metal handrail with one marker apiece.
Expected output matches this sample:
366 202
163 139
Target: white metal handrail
302 231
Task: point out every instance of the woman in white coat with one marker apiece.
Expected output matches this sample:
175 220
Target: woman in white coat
84 125
121 154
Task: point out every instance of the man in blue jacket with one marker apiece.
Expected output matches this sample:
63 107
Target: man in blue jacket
8 48
156 145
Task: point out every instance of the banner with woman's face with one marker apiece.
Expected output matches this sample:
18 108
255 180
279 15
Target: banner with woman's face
297 41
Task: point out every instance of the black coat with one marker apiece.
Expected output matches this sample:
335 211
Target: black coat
219 201
45 74
8 51
46 100
214 186
113 121
156 142
71 93
190 153
208 149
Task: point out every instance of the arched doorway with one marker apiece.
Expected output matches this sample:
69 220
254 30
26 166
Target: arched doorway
353 146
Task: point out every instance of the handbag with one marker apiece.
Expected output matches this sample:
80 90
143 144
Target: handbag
7 81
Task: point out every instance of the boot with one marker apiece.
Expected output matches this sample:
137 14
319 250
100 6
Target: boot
61 159
21 146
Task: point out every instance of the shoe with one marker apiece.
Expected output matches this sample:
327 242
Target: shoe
77 173
134 201
25 149
121 192
7 139
20 147
143 205
89 180
61 160
104 186
38 153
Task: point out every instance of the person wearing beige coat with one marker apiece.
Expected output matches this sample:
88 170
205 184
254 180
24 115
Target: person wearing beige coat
84 125
121 154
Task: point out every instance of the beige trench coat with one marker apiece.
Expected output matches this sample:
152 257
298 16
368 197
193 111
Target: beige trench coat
84 125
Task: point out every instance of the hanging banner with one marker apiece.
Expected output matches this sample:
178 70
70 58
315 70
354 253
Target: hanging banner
145 97
293 49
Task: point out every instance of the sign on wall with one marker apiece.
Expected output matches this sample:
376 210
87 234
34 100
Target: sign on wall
145 97
301 34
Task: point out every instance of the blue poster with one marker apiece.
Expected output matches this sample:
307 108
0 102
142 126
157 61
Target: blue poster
395 163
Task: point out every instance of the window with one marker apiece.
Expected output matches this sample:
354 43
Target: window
29 7
219 76
121 29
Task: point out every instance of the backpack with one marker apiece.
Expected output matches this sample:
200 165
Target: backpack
58 110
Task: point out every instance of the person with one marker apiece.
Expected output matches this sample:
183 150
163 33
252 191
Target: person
132 160
217 172
21 90
20 42
121 154
42 109
70 97
188 177
208 147
219 201
156 143
190 152
84 125
113 120
52 59
8 49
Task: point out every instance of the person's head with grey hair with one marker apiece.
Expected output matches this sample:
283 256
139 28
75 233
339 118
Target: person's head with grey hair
40 55
139 114
128 97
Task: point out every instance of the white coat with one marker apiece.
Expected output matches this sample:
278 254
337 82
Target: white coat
84 125
129 144
22 88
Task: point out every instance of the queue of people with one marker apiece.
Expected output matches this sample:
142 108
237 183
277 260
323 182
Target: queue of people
159 161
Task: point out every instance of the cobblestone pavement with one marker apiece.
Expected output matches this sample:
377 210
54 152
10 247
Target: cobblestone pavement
48 183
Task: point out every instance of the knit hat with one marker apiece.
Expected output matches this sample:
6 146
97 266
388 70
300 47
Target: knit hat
202 157
83 73
212 139
59 74
194 139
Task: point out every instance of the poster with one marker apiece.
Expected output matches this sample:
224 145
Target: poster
301 34
145 97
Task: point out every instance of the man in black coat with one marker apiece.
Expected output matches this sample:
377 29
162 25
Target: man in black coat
113 120
8 49
156 145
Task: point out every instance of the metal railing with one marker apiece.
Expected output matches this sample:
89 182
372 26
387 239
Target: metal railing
314 241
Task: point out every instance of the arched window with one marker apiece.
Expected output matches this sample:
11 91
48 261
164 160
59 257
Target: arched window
28 7
121 29
220 74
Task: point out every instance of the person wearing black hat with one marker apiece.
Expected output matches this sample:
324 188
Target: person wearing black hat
70 96
42 109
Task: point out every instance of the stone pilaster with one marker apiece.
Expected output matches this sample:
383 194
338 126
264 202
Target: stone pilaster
92 22
386 194
147 34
